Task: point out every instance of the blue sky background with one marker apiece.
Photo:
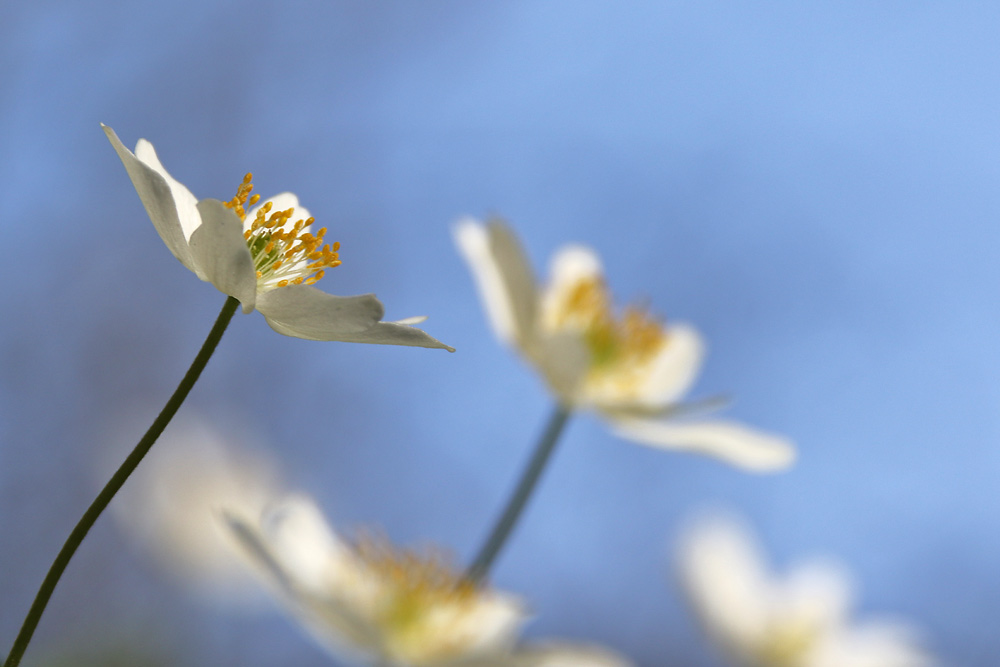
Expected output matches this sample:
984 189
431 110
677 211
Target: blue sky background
814 185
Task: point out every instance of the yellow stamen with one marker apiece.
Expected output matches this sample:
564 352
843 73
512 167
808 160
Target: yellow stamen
412 576
284 252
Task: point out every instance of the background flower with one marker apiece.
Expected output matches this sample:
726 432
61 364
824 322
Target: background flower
630 367
799 619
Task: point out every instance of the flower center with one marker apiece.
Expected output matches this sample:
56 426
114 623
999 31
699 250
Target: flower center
787 643
284 250
422 599
631 339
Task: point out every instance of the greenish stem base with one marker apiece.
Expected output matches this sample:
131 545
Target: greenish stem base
116 482
519 499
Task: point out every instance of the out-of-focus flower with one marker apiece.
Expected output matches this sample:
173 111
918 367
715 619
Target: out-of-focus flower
267 256
798 620
174 502
371 602
629 367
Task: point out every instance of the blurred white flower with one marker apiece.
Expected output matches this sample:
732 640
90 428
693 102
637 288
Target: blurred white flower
373 603
798 620
630 368
174 501
266 257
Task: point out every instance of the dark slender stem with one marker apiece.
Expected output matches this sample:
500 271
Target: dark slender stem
116 482
515 506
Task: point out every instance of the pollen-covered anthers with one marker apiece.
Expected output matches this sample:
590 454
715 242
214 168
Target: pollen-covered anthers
631 339
413 579
243 197
787 643
284 252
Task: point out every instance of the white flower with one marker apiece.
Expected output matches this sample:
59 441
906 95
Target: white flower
798 620
266 257
371 602
630 368
175 499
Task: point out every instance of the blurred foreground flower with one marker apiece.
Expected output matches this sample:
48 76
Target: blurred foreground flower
175 502
374 603
266 257
631 368
799 620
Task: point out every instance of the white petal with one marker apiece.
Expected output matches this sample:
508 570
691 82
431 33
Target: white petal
389 333
503 277
724 576
170 206
572 264
817 594
186 202
872 645
487 626
410 321
306 312
568 655
221 252
302 541
731 442
305 561
672 372
563 360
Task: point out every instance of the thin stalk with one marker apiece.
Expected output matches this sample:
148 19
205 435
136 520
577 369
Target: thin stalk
115 483
522 493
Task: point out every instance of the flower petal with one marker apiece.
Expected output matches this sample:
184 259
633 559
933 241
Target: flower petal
674 369
170 206
817 593
281 202
558 654
873 644
572 264
393 333
503 277
302 556
723 574
306 312
221 252
563 360
729 441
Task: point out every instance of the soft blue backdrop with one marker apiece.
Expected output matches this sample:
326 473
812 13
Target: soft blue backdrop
815 185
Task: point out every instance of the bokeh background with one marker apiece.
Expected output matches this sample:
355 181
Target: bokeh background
814 185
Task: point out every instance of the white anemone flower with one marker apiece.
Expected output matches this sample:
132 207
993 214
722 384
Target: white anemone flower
370 602
267 257
630 368
796 620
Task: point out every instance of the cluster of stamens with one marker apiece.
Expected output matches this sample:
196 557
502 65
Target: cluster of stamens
787 643
414 578
284 252
632 339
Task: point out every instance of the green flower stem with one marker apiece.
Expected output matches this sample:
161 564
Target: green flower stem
116 482
515 506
